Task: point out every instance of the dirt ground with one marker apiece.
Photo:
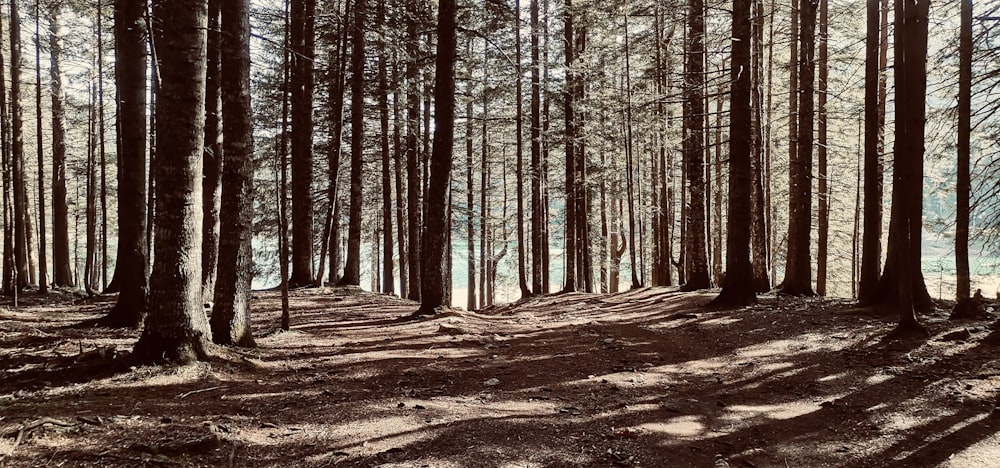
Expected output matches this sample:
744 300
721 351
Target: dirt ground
650 377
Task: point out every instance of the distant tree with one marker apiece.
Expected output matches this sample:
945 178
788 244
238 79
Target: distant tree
21 216
231 312
176 329
43 280
432 295
10 287
522 275
538 238
738 288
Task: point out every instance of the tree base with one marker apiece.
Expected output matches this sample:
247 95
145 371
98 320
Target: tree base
907 331
733 298
969 309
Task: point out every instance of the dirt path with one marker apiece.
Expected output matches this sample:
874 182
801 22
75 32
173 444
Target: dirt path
645 378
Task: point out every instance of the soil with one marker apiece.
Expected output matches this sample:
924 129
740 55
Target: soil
651 377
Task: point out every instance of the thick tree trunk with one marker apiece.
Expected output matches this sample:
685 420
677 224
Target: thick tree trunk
231 313
798 266
738 288
963 185
435 236
871 244
352 266
302 81
696 255
63 271
176 329
130 70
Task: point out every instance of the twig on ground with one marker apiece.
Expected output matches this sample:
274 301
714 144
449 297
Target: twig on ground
192 392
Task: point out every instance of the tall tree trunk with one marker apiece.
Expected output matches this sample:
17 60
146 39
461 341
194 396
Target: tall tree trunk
584 264
90 275
963 185
335 148
10 280
62 271
537 209
302 53
522 274
414 190
435 236
629 163
544 176
176 328
21 217
130 71
231 314
352 267
470 200
212 181
571 189
695 252
758 203
902 282
43 274
388 284
397 162
871 244
823 221
798 267
738 288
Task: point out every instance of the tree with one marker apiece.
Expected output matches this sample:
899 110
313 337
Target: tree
823 221
694 154
231 312
414 190
798 268
63 273
352 267
130 71
962 293
522 277
302 37
21 217
214 153
43 280
871 243
10 286
902 282
388 284
538 238
432 294
176 329
760 224
738 288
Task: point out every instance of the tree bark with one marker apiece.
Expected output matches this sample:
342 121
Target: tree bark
696 255
43 274
414 189
214 155
798 267
823 187
130 70
435 236
231 313
352 266
63 272
21 217
871 243
388 284
176 329
759 206
302 54
963 185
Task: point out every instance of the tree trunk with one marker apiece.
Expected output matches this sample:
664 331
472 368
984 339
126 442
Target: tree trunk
63 272
435 236
963 185
537 209
388 284
738 287
352 266
43 274
571 190
10 285
871 244
130 70
629 164
414 190
335 148
397 162
758 203
695 252
798 267
522 276
470 209
823 221
302 81
212 181
176 329
231 313
21 217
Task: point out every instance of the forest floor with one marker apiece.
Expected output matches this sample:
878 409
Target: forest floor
649 377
